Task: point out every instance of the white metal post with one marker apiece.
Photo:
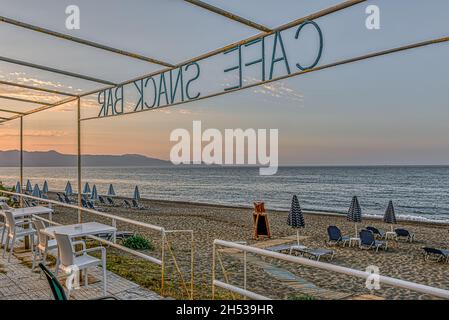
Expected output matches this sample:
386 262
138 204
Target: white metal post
213 271
79 158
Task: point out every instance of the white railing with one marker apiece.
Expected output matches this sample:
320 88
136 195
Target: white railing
114 218
437 292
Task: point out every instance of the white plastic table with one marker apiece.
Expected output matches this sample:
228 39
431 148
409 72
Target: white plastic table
79 229
354 239
390 234
29 211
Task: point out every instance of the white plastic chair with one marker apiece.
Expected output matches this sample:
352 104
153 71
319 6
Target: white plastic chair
68 259
3 206
16 230
44 244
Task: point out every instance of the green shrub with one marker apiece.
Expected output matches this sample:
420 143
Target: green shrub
138 243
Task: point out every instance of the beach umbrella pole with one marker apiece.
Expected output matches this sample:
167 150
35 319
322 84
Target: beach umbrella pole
297 236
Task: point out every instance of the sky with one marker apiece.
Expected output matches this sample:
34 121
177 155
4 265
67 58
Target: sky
388 110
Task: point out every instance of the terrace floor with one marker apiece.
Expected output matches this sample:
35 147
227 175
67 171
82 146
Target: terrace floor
19 282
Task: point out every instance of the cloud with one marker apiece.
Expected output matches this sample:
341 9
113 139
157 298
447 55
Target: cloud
35 133
22 78
277 90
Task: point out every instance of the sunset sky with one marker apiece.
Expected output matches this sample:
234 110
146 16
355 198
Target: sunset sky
388 110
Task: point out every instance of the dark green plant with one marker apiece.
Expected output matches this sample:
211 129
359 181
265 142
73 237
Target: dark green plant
138 243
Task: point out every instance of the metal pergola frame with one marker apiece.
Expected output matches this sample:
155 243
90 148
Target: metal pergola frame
71 97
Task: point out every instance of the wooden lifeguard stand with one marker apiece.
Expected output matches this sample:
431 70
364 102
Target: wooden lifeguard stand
260 221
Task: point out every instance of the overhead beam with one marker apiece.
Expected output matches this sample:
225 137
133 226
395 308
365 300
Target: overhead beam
24 86
83 41
11 111
229 15
23 100
313 16
316 15
50 69
294 74
44 107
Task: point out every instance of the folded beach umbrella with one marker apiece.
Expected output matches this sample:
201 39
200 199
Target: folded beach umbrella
36 191
18 187
68 189
45 187
390 216
29 187
86 188
111 191
94 195
355 213
295 217
136 193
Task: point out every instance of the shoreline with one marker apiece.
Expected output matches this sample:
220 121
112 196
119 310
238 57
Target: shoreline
305 211
410 220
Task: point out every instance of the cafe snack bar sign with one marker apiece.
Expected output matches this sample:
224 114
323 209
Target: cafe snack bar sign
181 84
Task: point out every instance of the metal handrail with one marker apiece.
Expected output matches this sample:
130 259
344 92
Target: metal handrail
442 293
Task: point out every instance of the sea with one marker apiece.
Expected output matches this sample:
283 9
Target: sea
418 192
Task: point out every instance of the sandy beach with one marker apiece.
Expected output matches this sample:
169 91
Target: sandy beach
402 260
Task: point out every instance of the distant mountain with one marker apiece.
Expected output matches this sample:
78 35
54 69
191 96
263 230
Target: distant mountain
55 159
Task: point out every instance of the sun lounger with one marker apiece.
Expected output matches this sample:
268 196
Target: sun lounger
137 205
15 200
281 247
439 254
110 201
335 236
313 253
126 203
66 199
60 198
84 203
377 232
90 205
367 241
101 200
403 233
28 203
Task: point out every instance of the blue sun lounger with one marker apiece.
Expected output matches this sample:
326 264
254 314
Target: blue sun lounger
367 241
439 254
335 236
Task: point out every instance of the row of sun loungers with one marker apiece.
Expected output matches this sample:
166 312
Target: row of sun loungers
399 234
367 240
106 201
